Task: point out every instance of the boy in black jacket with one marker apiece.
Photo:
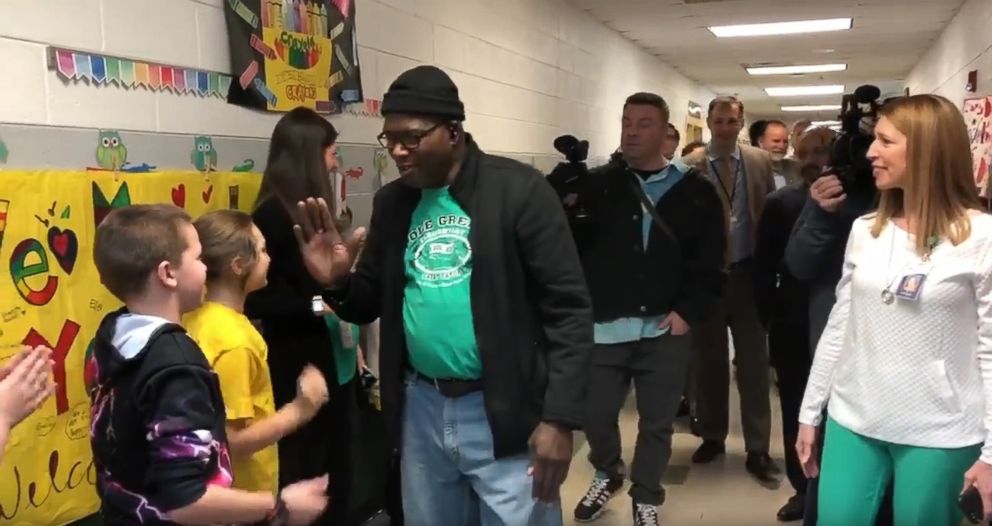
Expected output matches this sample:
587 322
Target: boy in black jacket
651 279
157 416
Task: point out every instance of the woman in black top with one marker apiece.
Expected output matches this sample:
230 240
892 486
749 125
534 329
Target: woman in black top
301 154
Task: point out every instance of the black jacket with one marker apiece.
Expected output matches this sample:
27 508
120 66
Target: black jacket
157 420
296 337
625 280
780 297
533 321
815 253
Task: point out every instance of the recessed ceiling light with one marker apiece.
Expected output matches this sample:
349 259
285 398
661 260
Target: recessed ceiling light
782 28
794 70
812 107
794 91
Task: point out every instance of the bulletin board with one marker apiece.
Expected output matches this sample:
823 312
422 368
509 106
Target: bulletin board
978 118
290 53
52 296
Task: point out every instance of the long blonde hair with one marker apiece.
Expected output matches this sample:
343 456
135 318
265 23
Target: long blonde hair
939 186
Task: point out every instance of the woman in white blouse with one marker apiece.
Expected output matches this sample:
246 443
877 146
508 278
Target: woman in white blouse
906 357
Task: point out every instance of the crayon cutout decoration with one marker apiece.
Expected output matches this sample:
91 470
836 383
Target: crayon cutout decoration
299 16
300 52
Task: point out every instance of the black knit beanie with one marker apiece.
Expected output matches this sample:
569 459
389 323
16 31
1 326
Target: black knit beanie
424 90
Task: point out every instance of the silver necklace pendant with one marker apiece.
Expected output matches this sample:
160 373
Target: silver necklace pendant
888 297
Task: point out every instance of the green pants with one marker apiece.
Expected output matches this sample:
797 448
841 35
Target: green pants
856 470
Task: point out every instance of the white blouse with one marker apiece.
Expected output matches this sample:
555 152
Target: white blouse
909 372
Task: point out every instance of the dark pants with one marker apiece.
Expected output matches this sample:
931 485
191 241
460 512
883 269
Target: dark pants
811 513
711 369
322 446
657 368
787 344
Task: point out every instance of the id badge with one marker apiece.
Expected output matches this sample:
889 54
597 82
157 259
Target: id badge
911 286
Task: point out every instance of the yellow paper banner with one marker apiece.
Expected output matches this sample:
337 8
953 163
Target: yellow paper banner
296 74
52 295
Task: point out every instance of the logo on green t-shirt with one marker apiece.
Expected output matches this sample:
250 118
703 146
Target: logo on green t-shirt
440 251
437 302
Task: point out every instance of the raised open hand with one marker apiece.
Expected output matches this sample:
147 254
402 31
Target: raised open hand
327 256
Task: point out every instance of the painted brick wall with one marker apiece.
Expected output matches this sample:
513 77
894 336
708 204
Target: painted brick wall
528 70
965 44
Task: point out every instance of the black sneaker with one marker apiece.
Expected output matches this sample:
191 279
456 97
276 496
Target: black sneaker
645 515
600 492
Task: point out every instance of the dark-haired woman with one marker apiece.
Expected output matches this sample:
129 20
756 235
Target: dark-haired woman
301 154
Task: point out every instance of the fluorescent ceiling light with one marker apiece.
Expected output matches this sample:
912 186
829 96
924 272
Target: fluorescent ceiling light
812 107
782 28
795 70
795 91
826 124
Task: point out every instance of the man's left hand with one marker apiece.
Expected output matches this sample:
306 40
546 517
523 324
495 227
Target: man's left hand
675 324
551 447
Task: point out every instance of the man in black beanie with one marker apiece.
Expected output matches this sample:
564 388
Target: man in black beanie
486 323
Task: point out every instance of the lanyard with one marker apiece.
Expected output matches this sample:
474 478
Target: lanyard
738 168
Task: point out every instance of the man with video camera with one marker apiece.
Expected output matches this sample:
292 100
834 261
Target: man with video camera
815 253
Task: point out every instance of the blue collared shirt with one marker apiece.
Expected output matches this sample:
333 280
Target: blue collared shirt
740 215
623 330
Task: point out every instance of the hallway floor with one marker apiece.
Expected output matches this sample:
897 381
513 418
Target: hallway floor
720 493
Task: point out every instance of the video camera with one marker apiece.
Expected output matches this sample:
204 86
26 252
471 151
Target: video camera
849 157
566 178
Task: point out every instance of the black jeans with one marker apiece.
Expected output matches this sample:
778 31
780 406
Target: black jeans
657 368
787 345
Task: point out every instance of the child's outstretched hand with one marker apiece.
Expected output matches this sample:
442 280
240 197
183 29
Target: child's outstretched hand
25 383
311 389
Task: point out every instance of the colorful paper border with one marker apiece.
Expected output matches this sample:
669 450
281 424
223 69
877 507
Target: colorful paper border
105 69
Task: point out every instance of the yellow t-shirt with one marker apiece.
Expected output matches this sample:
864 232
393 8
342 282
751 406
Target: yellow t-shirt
237 353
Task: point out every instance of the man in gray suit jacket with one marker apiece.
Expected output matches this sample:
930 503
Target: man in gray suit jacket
743 177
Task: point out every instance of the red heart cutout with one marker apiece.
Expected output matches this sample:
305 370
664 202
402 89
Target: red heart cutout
207 193
355 173
179 196
64 246
60 244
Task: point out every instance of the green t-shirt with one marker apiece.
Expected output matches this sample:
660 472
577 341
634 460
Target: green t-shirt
437 305
345 356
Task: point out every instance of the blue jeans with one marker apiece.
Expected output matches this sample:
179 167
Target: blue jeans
449 474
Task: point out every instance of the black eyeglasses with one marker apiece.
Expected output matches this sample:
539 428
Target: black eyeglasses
410 140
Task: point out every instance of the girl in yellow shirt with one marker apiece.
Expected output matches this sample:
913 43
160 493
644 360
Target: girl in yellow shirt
237 263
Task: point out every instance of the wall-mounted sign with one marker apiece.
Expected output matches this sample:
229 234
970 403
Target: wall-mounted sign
695 110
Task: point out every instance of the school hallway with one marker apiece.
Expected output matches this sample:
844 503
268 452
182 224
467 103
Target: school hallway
718 493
